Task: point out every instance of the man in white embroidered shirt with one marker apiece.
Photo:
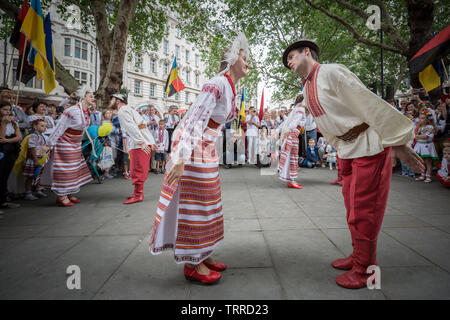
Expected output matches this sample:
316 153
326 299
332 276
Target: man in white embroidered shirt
140 144
368 134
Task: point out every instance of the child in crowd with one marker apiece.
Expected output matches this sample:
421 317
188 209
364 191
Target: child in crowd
126 158
442 174
331 156
162 141
406 171
424 144
36 149
322 145
312 154
264 156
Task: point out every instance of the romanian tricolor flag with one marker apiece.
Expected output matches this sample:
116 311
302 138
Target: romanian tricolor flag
173 83
49 74
33 29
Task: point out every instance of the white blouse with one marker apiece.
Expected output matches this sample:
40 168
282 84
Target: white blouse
216 101
72 118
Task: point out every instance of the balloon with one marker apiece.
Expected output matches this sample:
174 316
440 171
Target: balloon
105 129
93 131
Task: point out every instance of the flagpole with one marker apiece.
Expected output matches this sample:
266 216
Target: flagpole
21 70
445 70
10 63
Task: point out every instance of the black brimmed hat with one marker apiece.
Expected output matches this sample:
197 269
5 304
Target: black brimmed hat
300 44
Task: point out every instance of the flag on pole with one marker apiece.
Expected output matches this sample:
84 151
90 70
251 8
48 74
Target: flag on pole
261 108
430 77
49 73
19 41
173 83
33 29
241 116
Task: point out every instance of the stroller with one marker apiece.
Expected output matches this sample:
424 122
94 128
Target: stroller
92 158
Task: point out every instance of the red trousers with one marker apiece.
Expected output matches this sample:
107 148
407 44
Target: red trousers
366 183
139 165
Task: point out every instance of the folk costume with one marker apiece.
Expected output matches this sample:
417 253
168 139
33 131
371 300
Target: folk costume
339 102
66 170
295 123
189 217
135 128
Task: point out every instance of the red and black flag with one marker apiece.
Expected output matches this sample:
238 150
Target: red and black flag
437 48
17 40
173 83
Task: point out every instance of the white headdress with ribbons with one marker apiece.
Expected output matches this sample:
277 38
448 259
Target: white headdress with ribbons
231 56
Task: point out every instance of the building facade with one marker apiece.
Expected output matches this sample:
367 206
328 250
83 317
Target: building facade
77 52
146 74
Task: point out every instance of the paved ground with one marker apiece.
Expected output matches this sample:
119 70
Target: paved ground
279 243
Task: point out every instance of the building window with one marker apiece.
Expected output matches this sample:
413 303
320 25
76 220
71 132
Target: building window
138 62
188 76
166 68
83 78
153 66
187 55
77 48
166 46
76 75
91 82
152 89
197 80
177 51
186 97
177 32
29 84
84 51
38 84
92 54
196 60
177 96
67 44
137 87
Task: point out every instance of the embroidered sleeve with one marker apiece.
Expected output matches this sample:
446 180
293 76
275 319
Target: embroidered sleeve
61 127
191 128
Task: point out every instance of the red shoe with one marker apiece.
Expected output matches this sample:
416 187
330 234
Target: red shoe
138 195
356 278
337 181
67 204
296 186
343 264
74 200
193 275
217 266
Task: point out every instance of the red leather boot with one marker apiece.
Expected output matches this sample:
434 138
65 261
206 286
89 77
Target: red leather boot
343 263
364 256
138 195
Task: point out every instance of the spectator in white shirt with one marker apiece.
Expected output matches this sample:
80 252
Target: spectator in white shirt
311 128
252 134
96 116
171 121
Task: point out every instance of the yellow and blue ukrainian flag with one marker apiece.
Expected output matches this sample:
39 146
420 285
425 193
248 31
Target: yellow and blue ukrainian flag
33 29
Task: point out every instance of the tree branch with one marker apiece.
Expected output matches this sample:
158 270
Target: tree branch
355 33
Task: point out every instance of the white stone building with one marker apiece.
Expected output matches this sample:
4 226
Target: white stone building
76 51
145 76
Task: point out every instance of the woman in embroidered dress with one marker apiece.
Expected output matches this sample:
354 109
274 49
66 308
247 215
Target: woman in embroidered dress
189 216
290 129
66 170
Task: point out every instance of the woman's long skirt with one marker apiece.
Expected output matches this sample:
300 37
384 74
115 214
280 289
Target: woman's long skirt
66 170
189 216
